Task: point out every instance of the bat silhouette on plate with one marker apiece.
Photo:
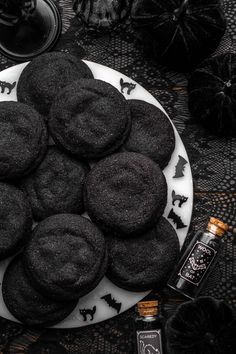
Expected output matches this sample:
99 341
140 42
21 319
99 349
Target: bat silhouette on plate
176 219
179 168
86 312
179 198
112 302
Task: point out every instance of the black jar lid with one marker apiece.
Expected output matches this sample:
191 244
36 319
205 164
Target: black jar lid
32 36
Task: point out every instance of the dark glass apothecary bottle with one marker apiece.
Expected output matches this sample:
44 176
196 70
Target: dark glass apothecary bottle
149 336
198 259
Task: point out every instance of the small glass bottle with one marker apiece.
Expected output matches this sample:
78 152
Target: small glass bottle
148 328
198 259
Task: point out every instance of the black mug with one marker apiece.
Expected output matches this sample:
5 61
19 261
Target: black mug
28 27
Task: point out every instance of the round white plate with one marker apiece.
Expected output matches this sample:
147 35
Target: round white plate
107 300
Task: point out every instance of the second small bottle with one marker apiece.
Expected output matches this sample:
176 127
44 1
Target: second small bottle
149 336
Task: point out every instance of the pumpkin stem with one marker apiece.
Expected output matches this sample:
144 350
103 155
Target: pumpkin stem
210 338
181 10
228 88
228 83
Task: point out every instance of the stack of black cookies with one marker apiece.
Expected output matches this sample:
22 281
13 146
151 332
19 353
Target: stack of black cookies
82 190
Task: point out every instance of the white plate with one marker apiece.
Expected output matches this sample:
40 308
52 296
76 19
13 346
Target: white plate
118 299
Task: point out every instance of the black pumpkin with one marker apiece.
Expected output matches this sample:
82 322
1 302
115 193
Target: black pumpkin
212 94
202 326
179 33
101 14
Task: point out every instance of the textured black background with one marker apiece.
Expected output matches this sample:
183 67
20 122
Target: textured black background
213 163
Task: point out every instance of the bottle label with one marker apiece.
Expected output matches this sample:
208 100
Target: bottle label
149 342
197 263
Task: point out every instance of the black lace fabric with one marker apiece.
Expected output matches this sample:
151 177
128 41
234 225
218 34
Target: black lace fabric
213 163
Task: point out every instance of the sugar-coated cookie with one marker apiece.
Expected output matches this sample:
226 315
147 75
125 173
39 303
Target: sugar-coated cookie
145 262
15 219
66 257
42 79
23 139
125 194
26 303
56 186
151 133
90 119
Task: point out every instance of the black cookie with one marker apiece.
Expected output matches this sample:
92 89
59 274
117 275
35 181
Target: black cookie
145 262
66 256
56 186
23 139
125 194
15 220
151 133
41 79
90 118
26 303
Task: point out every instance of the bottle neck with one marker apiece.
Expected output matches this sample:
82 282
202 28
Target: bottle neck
148 319
215 230
180 12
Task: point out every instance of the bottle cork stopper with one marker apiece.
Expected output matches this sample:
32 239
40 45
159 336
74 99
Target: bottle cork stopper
217 226
151 303
148 308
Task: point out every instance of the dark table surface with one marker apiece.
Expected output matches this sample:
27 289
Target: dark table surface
213 163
